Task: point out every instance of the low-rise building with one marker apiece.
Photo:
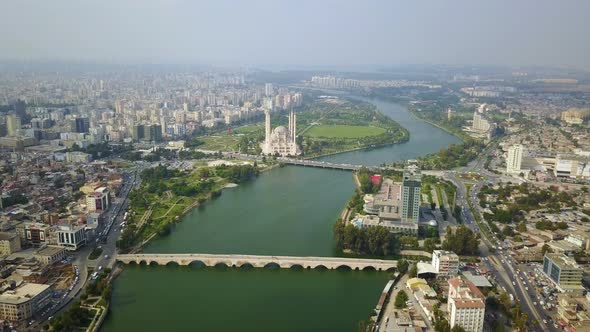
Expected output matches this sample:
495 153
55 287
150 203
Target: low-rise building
574 310
50 254
9 243
466 305
23 302
564 271
446 263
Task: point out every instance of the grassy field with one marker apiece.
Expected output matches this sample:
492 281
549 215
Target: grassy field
226 141
219 143
343 131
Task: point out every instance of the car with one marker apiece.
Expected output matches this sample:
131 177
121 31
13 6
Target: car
106 256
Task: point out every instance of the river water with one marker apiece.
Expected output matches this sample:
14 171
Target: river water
287 211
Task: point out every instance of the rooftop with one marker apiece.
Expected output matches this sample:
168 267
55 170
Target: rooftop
23 294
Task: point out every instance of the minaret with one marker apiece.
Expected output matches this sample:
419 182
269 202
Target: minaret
294 126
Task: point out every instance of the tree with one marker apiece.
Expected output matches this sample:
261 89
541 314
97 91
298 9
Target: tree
546 249
400 299
402 266
462 241
429 245
521 227
458 328
413 271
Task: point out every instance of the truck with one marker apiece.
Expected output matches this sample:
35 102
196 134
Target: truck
125 216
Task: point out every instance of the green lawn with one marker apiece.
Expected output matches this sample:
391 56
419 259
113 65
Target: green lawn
343 131
219 143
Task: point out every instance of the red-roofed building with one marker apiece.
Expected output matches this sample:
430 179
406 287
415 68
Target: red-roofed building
466 305
376 179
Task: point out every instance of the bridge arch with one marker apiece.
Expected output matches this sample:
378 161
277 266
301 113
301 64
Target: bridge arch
172 264
143 262
272 265
197 263
320 267
343 267
369 268
154 263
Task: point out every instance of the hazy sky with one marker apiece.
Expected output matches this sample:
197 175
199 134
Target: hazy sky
299 32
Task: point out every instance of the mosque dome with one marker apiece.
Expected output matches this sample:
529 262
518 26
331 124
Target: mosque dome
280 130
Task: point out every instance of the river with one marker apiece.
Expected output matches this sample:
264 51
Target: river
287 211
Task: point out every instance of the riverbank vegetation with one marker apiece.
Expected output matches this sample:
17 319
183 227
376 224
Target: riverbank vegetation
166 194
375 241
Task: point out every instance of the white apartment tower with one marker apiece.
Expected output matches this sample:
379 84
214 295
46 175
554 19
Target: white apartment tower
514 158
268 89
446 263
466 305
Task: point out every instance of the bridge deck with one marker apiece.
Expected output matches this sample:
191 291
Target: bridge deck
259 261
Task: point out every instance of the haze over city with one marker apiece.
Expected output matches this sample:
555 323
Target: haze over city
329 166
298 33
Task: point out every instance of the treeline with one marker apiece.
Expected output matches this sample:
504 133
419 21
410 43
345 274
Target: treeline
103 150
462 241
375 241
236 173
159 172
457 155
183 188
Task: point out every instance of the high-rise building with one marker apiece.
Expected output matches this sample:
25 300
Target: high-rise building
138 132
13 124
118 107
411 194
466 305
80 125
446 263
268 89
514 159
153 133
564 271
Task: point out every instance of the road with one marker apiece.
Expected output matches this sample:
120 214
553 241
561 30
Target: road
81 263
503 267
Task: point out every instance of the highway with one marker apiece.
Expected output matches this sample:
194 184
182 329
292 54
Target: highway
503 267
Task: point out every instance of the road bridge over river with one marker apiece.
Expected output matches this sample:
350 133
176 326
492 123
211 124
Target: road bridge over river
284 262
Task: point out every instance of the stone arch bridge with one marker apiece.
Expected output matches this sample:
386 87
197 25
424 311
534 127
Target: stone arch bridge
284 262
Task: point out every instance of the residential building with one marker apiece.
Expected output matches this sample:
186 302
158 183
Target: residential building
9 243
98 200
20 304
466 305
446 263
564 271
514 159
13 124
411 194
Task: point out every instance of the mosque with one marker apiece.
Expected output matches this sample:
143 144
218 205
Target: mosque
281 140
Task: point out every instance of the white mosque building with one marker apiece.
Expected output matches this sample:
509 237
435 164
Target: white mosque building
281 140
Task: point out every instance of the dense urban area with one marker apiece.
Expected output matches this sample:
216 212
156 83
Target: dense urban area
490 233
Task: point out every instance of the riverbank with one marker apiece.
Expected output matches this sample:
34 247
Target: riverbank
167 195
453 131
